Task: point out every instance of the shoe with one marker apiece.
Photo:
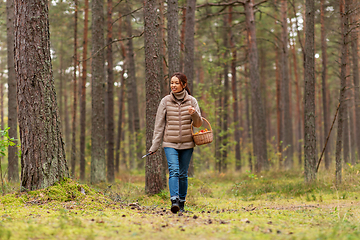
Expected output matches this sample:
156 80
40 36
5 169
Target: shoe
182 205
175 206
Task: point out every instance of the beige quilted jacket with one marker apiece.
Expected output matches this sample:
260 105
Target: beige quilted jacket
173 123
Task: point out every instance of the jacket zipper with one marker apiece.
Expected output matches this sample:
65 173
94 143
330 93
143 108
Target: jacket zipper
180 120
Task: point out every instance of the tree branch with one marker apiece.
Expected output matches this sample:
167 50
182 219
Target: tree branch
113 41
234 3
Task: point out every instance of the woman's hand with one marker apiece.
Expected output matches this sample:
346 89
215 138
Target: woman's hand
191 110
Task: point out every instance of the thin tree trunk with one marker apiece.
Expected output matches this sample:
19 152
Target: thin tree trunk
248 123
258 116
189 43
355 61
153 171
83 93
162 50
288 133
43 160
343 74
309 96
279 112
13 161
132 96
182 40
120 121
121 105
73 142
110 98
97 92
173 37
324 85
234 95
226 93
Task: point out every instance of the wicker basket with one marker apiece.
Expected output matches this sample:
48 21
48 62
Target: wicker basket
202 138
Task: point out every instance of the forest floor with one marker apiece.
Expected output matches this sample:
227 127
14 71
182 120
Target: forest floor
276 205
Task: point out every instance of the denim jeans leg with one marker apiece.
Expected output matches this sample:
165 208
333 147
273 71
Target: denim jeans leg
184 161
172 157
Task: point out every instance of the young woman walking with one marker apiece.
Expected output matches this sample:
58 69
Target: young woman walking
174 116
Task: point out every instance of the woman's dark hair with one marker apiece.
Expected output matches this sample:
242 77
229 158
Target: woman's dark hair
183 80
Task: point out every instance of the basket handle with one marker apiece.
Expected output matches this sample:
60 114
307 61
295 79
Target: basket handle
192 133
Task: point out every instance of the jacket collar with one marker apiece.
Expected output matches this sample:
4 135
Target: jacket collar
186 98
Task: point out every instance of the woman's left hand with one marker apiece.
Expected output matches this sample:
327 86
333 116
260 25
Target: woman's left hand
191 110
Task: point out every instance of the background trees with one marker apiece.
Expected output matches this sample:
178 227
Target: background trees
266 119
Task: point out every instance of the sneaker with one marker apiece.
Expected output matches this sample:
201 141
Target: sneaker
175 206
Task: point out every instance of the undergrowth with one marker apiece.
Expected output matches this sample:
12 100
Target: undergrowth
270 205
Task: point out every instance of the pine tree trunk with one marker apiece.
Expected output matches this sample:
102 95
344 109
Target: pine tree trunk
97 92
355 61
219 123
298 111
309 96
121 106
133 107
279 112
182 40
164 83
235 96
324 85
248 123
153 171
189 43
288 133
43 160
13 161
110 98
259 121
73 142
173 37
343 74
83 93
120 121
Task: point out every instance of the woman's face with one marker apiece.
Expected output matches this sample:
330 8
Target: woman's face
175 85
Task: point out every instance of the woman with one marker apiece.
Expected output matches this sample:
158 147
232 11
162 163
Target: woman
174 116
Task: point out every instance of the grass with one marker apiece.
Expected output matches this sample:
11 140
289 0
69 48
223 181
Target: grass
273 205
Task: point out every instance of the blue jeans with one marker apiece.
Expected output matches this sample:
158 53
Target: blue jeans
178 163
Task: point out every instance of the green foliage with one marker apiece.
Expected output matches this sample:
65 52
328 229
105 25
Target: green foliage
5 141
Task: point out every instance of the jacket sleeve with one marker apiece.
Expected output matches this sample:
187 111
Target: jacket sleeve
159 127
196 116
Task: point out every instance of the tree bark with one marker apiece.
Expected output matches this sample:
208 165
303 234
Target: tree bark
248 124
97 92
235 96
121 105
173 37
309 95
189 43
43 160
343 74
153 172
164 83
13 161
120 121
73 142
355 65
226 92
288 131
110 98
324 85
133 107
83 93
259 121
